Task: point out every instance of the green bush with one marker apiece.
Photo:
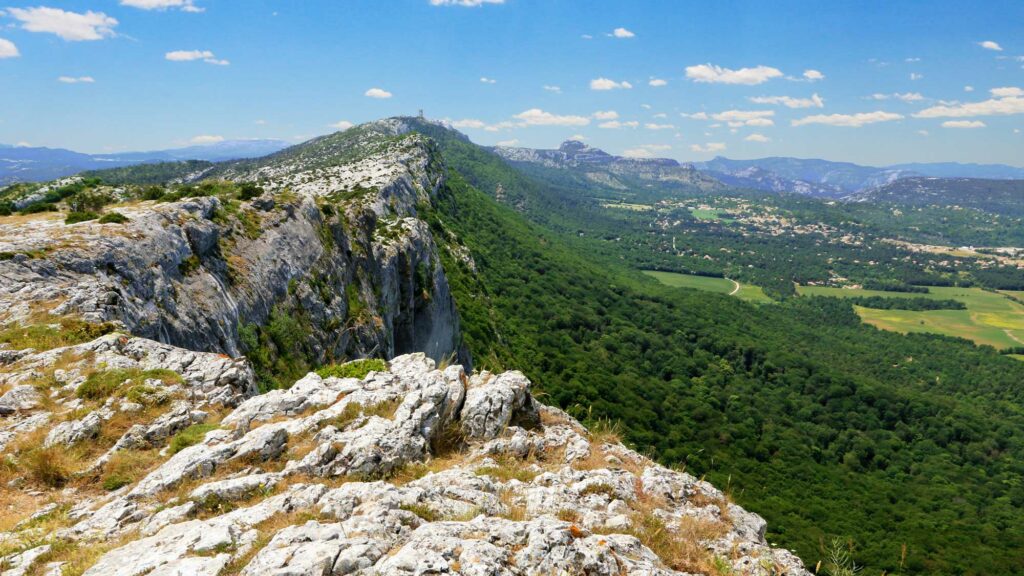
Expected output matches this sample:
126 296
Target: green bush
103 384
355 369
115 481
76 217
113 218
190 436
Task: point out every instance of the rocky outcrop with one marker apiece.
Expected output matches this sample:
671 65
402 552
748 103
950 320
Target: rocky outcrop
412 470
334 246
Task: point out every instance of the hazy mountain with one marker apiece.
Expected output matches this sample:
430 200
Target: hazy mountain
996 196
810 176
585 162
33 164
959 170
829 179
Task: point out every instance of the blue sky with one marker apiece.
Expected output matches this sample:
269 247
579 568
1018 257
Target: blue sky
874 82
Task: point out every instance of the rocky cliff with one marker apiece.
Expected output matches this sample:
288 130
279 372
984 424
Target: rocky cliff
333 243
410 468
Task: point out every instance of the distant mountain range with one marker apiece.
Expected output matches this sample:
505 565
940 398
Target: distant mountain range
1004 197
33 164
828 179
616 172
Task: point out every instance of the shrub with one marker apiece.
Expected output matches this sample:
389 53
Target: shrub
115 481
355 369
421 510
103 384
248 191
189 265
38 207
67 332
190 436
47 466
113 218
76 217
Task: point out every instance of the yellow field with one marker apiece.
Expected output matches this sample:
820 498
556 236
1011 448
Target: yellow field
991 318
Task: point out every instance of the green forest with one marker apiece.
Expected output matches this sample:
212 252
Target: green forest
823 425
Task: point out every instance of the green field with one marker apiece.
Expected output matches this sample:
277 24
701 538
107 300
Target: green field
746 292
990 318
710 214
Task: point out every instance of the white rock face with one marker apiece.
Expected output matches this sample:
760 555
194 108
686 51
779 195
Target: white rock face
410 471
192 272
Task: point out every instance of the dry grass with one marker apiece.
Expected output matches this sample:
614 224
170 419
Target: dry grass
512 509
508 469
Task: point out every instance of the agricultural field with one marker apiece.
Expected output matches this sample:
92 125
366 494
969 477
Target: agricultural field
746 292
991 318
710 214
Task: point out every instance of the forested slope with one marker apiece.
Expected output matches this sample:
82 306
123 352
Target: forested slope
825 426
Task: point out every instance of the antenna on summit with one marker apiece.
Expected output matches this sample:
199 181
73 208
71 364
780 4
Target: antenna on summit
421 114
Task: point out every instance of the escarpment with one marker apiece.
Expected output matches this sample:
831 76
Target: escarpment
325 248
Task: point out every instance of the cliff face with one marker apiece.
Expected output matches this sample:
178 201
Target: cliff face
408 469
333 242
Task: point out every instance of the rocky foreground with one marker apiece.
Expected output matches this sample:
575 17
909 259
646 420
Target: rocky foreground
124 456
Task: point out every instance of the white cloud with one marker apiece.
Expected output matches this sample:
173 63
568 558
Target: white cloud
963 124
487 80
814 101
615 124
188 55
738 118
908 96
709 73
695 115
586 36
708 148
990 45
622 33
339 125
606 84
968 88
378 93
916 76
1007 101
183 5
538 117
923 132
76 79
205 140
508 143
645 150
70 26
8 49
653 126
904 96
848 120
466 3
193 55
555 89
911 60
757 138
606 115
657 82
1007 92
469 123
813 75
579 137
262 122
